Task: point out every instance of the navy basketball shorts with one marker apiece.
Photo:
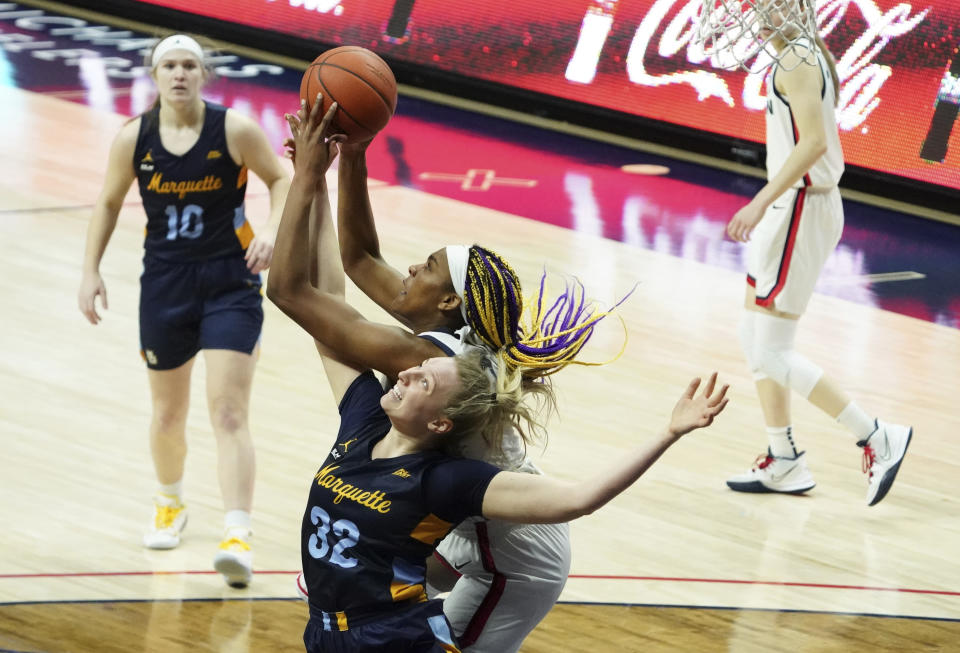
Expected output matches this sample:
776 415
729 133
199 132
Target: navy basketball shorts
421 628
186 307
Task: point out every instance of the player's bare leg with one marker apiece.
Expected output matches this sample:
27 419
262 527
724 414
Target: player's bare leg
170 399
229 381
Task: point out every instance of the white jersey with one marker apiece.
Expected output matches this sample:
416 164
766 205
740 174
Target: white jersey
782 131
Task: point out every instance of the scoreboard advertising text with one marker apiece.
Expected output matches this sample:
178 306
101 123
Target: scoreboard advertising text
897 62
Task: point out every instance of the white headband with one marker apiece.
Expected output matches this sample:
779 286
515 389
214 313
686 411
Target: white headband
457 258
176 42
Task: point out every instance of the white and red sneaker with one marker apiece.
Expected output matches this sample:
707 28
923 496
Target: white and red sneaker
774 474
883 451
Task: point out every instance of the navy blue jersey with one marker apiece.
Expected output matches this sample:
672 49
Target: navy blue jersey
194 202
370 524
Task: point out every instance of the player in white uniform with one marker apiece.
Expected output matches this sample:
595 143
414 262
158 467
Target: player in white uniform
792 225
503 578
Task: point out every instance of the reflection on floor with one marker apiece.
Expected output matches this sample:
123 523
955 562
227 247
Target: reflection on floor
276 626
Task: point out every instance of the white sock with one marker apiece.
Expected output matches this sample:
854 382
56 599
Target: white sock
237 523
856 421
173 490
781 441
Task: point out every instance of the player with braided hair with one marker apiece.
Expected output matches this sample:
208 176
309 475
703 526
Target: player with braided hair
503 577
493 308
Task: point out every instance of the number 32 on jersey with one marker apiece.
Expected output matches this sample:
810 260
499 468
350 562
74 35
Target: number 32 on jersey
342 534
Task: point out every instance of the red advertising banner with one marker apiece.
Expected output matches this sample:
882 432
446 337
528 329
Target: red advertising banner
899 94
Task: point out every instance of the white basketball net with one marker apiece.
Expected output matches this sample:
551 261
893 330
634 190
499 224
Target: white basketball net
735 32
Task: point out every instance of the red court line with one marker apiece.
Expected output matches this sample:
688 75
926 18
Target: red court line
728 581
733 581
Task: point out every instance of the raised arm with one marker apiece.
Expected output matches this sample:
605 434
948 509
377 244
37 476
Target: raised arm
326 275
318 308
528 498
120 175
359 244
247 141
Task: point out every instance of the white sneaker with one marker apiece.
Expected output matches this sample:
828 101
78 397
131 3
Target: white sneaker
302 591
774 474
169 520
234 560
883 451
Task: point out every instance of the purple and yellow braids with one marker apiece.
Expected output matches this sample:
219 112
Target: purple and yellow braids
540 341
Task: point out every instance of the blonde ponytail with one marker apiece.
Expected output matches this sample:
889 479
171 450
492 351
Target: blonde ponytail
495 396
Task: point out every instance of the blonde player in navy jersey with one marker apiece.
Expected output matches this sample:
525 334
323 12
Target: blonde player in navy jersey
792 225
388 491
200 287
502 578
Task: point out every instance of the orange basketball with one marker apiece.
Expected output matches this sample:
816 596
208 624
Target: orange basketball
360 82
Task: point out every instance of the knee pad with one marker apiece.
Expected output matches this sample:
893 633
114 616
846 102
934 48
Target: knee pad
774 356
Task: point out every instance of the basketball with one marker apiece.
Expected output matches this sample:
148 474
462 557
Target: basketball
360 82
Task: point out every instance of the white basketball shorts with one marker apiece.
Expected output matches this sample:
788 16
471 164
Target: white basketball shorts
510 577
790 246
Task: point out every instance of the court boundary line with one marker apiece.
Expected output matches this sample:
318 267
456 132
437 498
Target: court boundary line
880 615
671 579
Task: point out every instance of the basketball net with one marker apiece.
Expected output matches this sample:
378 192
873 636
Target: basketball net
743 33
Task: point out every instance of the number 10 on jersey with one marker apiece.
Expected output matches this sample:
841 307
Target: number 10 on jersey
188 224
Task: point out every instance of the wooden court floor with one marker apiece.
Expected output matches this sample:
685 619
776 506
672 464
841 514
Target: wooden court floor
743 573
277 624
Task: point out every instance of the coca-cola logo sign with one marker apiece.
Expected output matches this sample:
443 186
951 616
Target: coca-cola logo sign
669 26
638 57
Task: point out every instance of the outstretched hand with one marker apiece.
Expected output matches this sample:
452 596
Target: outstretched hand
697 411
312 148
